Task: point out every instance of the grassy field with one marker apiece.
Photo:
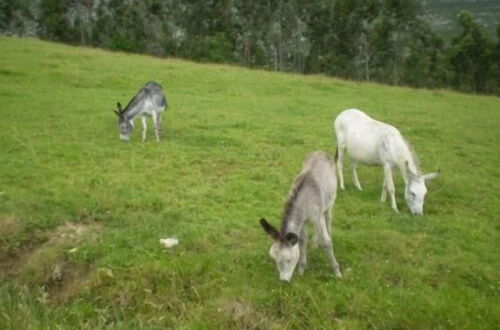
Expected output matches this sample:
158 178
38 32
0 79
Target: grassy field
81 213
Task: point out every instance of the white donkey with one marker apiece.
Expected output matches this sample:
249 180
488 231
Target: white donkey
149 101
375 143
311 197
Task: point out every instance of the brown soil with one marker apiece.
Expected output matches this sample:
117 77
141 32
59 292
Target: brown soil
59 278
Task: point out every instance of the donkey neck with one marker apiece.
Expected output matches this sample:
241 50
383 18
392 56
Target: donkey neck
131 113
135 106
293 219
292 222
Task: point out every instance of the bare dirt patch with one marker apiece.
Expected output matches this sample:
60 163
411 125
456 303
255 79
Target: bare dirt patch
241 315
9 227
67 280
47 264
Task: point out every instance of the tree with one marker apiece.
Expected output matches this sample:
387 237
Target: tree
83 14
495 71
54 22
425 63
19 18
471 55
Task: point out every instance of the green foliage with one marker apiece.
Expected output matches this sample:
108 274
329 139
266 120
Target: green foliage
233 141
124 42
388 41
216 48
471 56
443 15
53 21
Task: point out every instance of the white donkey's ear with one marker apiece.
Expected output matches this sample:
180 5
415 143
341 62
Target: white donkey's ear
431 176
409 173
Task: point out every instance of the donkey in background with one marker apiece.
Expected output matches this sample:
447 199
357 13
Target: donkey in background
149 101
311 197
371 142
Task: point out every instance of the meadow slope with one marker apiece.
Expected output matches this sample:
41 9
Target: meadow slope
81 213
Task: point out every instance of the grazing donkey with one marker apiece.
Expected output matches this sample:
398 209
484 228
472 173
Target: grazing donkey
375 143
149 101
311 197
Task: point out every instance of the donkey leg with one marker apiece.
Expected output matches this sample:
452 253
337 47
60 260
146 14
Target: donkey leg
144 128
317 238
340 165
390 186
328 221
303 251
155 124
328 247
160 127
383 197
354 165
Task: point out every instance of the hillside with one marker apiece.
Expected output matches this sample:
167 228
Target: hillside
81 213
442 14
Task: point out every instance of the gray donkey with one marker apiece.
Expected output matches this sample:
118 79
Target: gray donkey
311 197
149 101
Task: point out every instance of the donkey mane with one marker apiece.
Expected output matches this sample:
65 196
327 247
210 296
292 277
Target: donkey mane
298 185
135 100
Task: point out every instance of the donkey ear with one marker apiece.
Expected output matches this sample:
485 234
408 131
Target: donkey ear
291 239
117 113
119 106
431 176
409 173
268 228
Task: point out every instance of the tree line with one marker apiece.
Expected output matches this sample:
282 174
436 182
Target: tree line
387 41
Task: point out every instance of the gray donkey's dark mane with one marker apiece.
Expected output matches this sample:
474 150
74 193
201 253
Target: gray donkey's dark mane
290 203
136 100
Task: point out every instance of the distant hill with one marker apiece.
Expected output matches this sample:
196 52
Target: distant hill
442 14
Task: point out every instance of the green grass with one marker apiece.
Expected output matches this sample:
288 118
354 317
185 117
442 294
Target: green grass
233 141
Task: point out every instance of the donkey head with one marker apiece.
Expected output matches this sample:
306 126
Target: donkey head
124 124
415 189
285 251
